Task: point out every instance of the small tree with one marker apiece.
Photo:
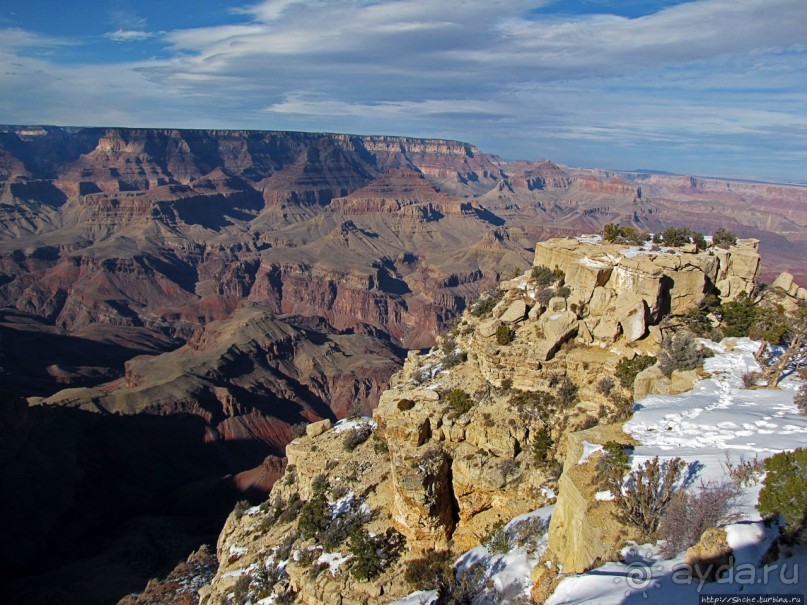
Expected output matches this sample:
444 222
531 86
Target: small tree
792 332
613 465
627 369
459 402
679 352
784 490
723 238
542 444
643 498
504 335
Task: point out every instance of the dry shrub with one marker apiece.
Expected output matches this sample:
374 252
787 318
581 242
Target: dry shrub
690 514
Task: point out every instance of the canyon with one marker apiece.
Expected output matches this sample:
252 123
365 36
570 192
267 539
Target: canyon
174 302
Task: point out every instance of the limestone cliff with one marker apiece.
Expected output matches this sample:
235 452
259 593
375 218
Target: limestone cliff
459 440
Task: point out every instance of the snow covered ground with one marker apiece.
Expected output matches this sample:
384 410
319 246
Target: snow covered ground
716 421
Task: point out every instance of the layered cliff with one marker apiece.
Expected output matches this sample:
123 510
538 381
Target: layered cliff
463 438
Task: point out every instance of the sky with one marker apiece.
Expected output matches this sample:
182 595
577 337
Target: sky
703 87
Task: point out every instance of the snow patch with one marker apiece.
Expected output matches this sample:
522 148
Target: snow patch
354 423
588 450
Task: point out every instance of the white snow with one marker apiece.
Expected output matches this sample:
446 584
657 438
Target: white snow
236 551
590 239
593 264
604 496
333 559
718 418
252 511
354 423
588 450
421 597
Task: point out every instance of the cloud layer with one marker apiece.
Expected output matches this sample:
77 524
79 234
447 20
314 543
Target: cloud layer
708 86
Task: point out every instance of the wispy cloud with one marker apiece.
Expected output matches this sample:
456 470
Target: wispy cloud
123 35
680 84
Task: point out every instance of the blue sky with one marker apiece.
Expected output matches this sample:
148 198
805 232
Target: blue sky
707 87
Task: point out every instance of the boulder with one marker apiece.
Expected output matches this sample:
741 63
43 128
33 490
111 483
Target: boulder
515 312
607 330
536 311
557 328
631 313
711 557
315 429
488 328
556 304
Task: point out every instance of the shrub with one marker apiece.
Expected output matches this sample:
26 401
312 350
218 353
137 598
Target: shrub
750 378
504 335
800 399
405 404
622 235
527 533
543 276
567 392
379 446
690 514
697 321
784 490
613 464
292 508
454 358
486 303
342 526
373 554
314 516
738 316
533 404
429 571
542 444
283 550
605 385
679 352
563 291
240 508
298 429
355 437
724 238
544 295
463 587
448 346
744 473
627 369
770 324
679 236
497 541
459 402
643 498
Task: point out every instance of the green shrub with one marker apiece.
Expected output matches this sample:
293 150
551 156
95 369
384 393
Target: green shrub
486 303
770 324
724 238
504 335
605 385
784 490
543 276
355 437
613 464
738 316
314 516
680 352
542 445
642 499
534 404
679 236
800 399
240 508
544 295
459 402
430 570
622 235
563 291
567 392
497 541
627 369
373 554
289 512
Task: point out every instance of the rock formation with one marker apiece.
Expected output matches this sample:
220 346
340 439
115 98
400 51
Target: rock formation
458 441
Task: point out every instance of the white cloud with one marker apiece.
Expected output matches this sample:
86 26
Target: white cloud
690 80
122 35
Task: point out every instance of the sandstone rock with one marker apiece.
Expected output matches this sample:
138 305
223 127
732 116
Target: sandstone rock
601 301
607 330
631 313
744 261
783 281
536 311
556 305
488 328
650 381
317 428
688 289
557 329
711 557
515 312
